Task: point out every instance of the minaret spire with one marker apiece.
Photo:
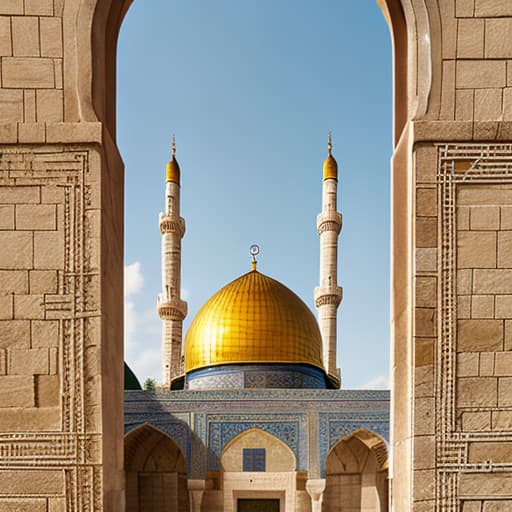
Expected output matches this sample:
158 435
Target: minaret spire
171 308
328 294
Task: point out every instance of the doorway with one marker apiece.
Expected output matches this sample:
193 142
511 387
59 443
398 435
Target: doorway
254 505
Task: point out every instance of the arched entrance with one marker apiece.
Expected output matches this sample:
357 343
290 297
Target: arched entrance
156 472
356 474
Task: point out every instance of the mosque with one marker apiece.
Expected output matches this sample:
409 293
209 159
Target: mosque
251 416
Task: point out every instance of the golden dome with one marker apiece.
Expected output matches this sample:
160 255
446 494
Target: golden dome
172 169
330 164
253 319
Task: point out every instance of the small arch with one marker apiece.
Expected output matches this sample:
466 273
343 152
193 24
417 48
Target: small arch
278 456
156 479
356 472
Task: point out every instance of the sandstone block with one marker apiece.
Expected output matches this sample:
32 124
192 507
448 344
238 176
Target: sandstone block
463 307
424 452
28 481
447 112
488 104
11 105
492 281
11 7
502 420
25 36
508 335
486 364
491 8
426 232
424 413
48 250
464 281
19 194
5 36
477 391
13 281
509 73
426 163
47 390
505 392
464 104
470 39
507 104
6 307
464 9
496 452
485 484
39 7
27 72
425 322
504 306
476 249
29 133
463 218
426 260
7 217
476 421
17 251
424 484
505 249
423 351
53 360
45 333
43 281
467 364
39 419
426 202
497 506
14 333
52 194
50 105
481 74
479 335
426 291
29 362
57 505
16 391
503 364
22 505
485 218
28 307
496 45
424 381
36 217
29 107
51 37
483 195
482 306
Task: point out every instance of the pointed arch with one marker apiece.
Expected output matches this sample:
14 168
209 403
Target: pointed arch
156 478
356 473
278 456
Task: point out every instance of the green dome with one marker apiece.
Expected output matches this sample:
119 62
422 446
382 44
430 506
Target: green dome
130 380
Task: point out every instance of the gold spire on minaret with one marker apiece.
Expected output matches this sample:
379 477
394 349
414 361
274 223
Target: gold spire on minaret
254 250
330 164
172 170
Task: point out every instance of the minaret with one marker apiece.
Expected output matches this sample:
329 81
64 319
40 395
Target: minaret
171 309
328 295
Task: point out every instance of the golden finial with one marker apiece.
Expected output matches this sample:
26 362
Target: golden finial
329 142
330 164
254 250
173 145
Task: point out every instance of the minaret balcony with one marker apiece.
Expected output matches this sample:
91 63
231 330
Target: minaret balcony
171 309
171 224
329 221
331 295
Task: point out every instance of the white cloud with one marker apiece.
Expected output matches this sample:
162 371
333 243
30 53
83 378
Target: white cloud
380 382
133 279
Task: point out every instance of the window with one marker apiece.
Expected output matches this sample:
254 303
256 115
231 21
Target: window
254 459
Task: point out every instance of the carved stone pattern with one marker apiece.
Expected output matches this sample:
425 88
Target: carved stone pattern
481 164
329 226
168 225
74 306
331 298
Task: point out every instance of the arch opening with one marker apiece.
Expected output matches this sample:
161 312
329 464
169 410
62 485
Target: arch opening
156 476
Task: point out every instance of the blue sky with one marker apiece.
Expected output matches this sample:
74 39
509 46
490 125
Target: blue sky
251 90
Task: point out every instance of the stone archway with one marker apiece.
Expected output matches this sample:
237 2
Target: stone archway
357 475
156 472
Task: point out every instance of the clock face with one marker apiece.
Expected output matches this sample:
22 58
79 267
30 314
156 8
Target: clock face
255 250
